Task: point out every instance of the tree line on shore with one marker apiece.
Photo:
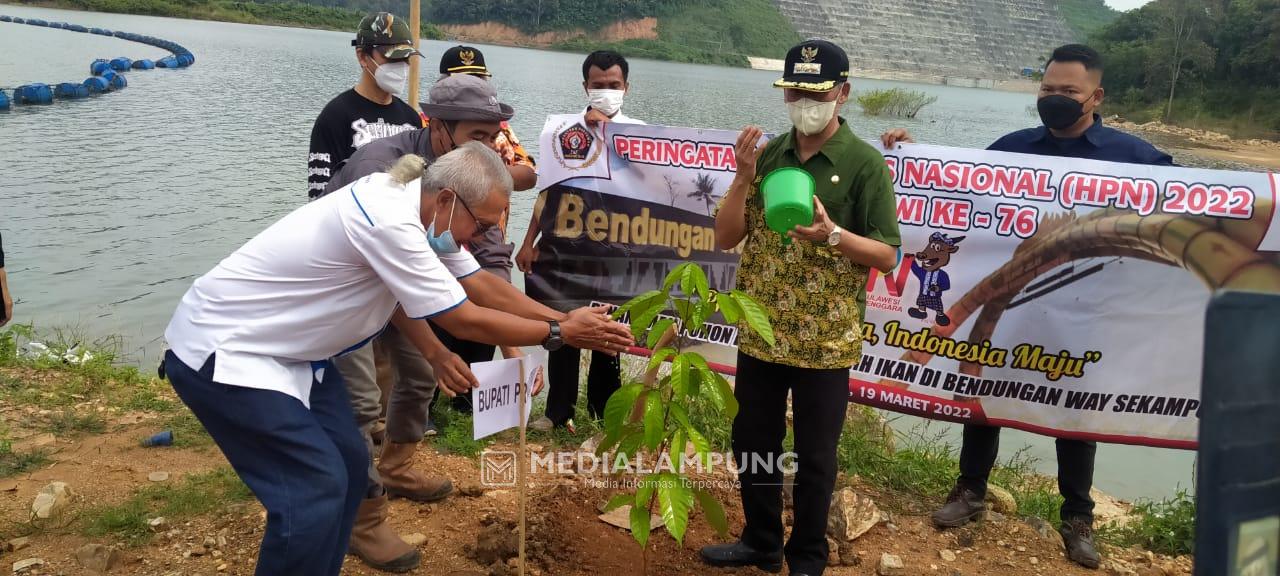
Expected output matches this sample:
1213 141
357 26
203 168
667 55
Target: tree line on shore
1211 64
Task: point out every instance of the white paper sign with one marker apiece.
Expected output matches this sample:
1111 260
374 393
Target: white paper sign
496 403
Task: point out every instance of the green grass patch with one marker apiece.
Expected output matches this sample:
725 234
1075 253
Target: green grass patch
71 424
151 399
193 496
1162 526
455 431
58 368
188 432
14 463
924 466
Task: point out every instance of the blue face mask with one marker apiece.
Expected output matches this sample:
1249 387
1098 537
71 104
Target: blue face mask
444 243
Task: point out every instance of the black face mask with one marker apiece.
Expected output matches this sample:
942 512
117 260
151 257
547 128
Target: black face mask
1059 112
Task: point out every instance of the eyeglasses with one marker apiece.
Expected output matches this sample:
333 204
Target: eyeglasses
481 227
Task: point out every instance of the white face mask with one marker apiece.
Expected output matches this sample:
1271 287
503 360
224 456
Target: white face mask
391 77
811 116
608 102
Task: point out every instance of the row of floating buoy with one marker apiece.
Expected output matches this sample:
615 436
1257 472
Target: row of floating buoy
106 75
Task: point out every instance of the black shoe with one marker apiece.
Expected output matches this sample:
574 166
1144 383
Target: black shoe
1077 536
943 319
916 313
962 507
739 554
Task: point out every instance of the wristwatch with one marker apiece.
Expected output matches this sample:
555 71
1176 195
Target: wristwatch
554 341
833 239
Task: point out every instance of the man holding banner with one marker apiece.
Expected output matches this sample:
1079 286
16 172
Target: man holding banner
605 76
1070 94
818 326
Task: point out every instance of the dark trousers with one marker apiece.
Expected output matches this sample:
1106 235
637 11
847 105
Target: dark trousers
604 377
307 467
819 399
1075 468
470 352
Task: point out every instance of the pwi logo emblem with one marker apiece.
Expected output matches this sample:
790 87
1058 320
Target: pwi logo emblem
575 142
576 147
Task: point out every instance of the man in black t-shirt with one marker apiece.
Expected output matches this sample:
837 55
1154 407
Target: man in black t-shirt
371 110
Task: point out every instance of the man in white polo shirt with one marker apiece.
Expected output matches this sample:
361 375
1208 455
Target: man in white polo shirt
251 339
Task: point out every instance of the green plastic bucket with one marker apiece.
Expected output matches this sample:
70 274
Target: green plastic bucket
788 200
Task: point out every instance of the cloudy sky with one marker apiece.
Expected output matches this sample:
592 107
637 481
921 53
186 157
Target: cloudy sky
1126 4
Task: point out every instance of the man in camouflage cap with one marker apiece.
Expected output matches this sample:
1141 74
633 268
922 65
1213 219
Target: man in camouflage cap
388 33
371 110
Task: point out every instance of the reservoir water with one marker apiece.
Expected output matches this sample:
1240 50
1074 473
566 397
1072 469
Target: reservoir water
111 206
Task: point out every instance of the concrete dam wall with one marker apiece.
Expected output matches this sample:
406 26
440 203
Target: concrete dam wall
943 40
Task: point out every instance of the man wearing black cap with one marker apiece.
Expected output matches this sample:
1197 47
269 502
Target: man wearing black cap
371 110
463 108
813 290
1070 95
469 60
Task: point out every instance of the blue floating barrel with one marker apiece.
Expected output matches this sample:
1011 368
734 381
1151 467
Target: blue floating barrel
19 20
97 84
167 62
121 64
76 28
108 74
5 18
184 60
143 64
58 25
33 94
118 82
97 67
100 31
37 22
4 100
70 91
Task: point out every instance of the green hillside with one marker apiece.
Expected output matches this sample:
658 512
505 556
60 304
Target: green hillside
703 31
287 13
721 32
1086 16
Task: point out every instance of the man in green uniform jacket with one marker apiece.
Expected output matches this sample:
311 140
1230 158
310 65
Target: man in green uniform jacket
814 291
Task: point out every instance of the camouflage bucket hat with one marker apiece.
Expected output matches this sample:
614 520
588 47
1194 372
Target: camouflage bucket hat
389 33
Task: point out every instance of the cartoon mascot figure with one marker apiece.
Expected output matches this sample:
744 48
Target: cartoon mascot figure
928 269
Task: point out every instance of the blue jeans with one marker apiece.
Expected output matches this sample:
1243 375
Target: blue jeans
307 467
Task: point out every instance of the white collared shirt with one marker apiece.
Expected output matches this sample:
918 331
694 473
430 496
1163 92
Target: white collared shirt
319 282
619 117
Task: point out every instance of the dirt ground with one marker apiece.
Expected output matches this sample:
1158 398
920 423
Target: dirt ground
1258 156
564 535
1207 150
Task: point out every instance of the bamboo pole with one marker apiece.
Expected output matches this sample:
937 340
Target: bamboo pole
415 29
520 464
